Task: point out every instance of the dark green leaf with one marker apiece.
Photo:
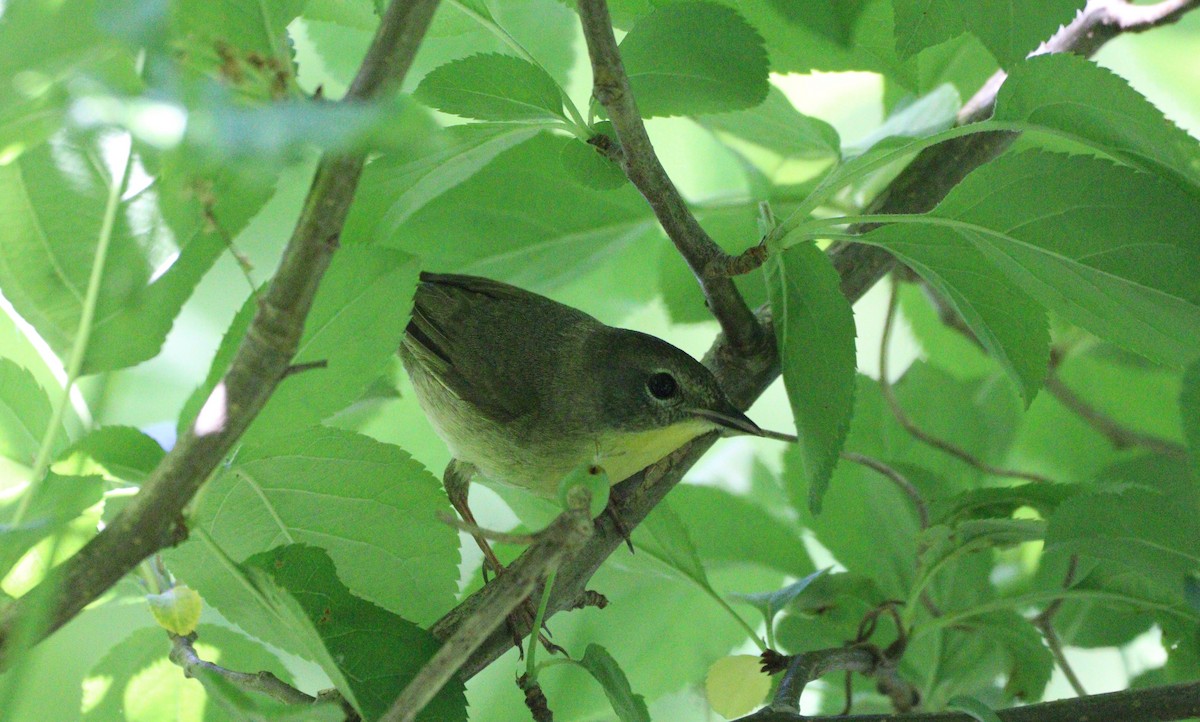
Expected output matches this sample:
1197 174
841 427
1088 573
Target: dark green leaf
814 327
664 536
921 24
1189 412
1126 275
369 653
355 327
1012 29
24 414
252 707
692 58
143 685
833 19
1080 100
370 505
1030 662
599 663
493 87
522 219
589 167
1009 324
1152 526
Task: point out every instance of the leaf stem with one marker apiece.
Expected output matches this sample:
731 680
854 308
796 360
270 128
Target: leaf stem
531 668
83 333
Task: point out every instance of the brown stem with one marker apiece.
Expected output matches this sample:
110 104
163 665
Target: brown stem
896 478
183 653
889 395
711 265
1044 622
1121 437
152 520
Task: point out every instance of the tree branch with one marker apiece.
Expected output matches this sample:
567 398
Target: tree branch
745 375
1121 437
498 598
153 518
184 654
711 265
1153 704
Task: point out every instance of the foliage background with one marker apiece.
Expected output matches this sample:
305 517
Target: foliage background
640 283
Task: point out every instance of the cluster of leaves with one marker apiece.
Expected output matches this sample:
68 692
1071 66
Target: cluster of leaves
139 140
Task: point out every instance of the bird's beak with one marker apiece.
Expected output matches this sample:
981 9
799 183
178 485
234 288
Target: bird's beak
736 421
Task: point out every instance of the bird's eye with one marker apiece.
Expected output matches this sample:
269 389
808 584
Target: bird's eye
662 386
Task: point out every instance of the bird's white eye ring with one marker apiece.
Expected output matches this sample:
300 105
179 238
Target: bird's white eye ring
662 386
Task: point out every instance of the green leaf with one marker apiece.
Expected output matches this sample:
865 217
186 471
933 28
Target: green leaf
1010 325
176 610
521 219
59 499
1189 412
242 42
401 183
368 652
1012 29
692 58
772 603
1000 502
122 451
493 87
355 327
136 681
921 24
1078 99
589 167
604 669
730 529
833 19
926 115
1126 275
54 199
776 125
24 414
664 536
814 327
974 708
368 504
252 707
1030 662
1151 526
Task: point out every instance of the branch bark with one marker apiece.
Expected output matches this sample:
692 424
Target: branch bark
1154 704
745 375
711 265
153 519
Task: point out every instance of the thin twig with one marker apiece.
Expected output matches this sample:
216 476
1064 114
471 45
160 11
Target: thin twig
1121 437
943 445
183 653
863 658
708 261
565 536
897 478
150 522
1044 621
497 536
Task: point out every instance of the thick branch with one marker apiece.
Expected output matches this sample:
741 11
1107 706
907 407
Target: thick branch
710 264
153 519
746 375
1153 704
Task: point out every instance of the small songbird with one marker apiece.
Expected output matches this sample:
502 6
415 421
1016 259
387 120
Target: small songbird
524 389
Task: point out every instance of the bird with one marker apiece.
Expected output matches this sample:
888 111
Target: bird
523 389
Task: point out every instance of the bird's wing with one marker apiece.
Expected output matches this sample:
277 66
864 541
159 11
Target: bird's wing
467 332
